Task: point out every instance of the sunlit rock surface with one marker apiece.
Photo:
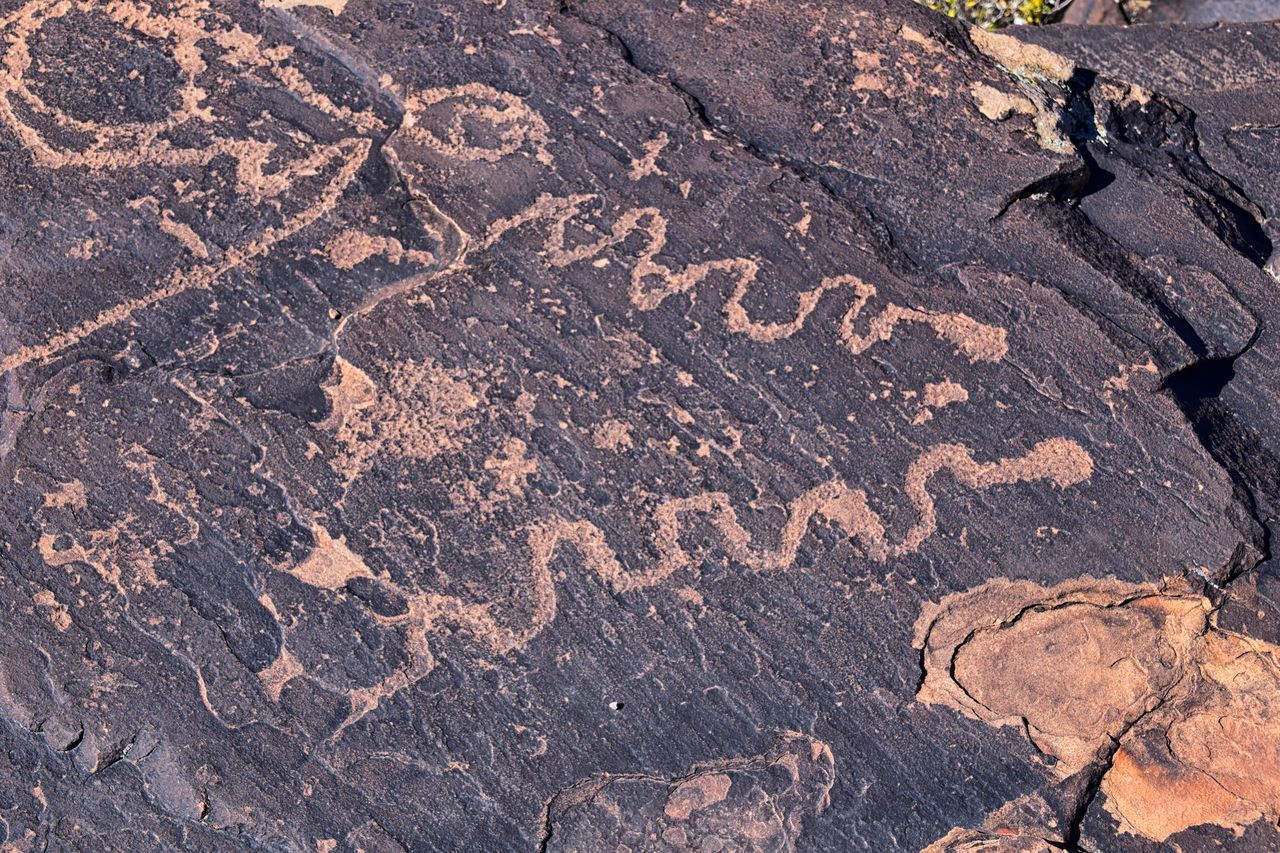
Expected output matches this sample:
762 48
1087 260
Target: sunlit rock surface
521 425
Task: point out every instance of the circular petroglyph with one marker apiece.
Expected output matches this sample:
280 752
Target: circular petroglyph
475 122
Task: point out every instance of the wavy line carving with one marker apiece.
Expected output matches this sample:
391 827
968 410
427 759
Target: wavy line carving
1060 461
976 341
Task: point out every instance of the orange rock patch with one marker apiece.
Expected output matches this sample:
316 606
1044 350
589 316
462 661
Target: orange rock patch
1098 670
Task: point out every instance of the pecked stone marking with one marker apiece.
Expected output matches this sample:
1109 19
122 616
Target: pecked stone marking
653 282
335 7
200 277
938 395
425 410
131 144
757 803
515 125
1059 461
1187 713
646 165
57 140
125 553
350 248
331 564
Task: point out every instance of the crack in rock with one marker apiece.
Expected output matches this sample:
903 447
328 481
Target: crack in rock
1182 717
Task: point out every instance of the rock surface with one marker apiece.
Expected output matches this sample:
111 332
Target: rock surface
1206 11
1163 11
704 425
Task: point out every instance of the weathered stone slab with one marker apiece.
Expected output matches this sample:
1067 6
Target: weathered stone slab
506 425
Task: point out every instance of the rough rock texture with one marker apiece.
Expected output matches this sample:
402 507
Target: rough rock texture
1158 11
528 425
1205 11
1224 78
1184 715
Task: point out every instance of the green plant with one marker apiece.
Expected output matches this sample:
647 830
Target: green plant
993 14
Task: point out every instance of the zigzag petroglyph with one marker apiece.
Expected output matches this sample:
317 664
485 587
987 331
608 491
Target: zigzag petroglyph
1058 460
653 282
517 126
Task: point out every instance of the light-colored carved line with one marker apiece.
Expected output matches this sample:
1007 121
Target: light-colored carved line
976 341
521 125
202 277
184 30
131 144
1058 460
335 7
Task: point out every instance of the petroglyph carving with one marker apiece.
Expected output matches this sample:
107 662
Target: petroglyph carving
336 7
331 563
511 468
350 248
191 134
1062 462
749 804
1187 714
653 282
125 553
938 395
448 120
424 411
280 673
197 278
106 551
1059 461
648 164
614 436
105 146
